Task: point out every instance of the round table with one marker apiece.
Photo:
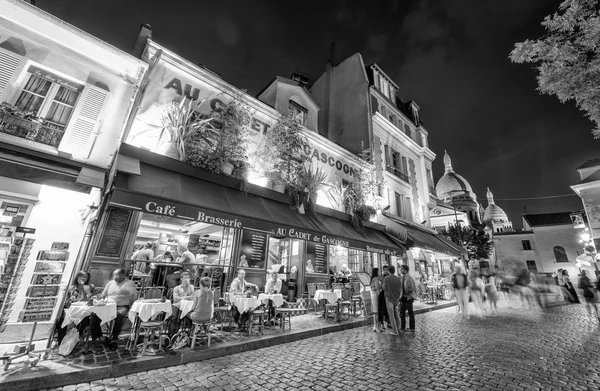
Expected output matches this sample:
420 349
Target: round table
185 307
146 309
243 303
277 298
77 312
328 295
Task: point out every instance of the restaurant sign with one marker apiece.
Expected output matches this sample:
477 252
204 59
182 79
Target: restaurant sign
195 213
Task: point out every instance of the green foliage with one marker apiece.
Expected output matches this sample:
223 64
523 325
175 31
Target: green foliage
182 125
568 56
361 214
304 193
280 156
341 197
475 241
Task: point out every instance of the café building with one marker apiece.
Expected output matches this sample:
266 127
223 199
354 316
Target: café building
160 200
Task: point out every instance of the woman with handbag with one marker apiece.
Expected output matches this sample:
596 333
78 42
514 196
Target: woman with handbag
573 298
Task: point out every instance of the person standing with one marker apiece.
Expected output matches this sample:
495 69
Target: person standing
476 288
384 319
588 294
144 254
375 290
392 287
460 283
491 291
409 294
573 298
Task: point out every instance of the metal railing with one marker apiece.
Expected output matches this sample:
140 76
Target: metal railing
30 130
398 173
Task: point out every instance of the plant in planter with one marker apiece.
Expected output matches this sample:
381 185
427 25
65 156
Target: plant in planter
281 154
341 197
305 190
182 126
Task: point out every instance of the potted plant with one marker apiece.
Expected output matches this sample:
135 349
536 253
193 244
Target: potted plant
306 189
180 125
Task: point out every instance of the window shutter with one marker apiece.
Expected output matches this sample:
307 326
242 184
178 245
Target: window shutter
78 138
8 67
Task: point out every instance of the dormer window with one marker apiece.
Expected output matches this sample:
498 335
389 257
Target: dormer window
385 87
298 112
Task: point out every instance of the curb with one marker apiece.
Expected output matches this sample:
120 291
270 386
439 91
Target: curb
35 381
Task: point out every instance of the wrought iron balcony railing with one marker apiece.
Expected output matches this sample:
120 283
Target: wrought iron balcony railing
398 173
30 130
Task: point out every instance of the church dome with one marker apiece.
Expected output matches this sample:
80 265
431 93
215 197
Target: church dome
493 213
451 184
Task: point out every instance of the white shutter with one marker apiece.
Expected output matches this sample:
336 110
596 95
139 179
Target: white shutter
86 118
8 67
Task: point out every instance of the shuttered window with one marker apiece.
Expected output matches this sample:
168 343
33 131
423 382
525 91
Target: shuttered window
8 66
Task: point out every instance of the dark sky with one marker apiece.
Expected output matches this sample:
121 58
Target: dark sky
450 56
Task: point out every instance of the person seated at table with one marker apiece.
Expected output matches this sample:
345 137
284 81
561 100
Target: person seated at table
80 290
273 286
204 302
183 291
144 254
185 255
123 292
240 286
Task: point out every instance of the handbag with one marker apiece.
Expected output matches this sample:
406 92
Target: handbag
69 342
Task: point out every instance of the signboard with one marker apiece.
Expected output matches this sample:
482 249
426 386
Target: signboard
42 291
253 250
54 78
40 303
316 258
113 236
49 267
26 230
45 255
46 279
36 316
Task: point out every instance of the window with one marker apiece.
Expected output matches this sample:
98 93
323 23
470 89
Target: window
399 204
560 254
395 156
404 165
527 245
392 118
407 130
52 101
386 154
383 111
298 112
531 266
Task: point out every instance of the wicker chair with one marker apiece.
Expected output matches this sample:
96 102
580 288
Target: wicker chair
312 288
200 330
356 298
222 313
257 314
285 314
337 286
346 303
322 286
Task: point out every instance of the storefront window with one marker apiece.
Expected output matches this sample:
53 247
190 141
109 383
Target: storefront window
253 249
279 253
338 256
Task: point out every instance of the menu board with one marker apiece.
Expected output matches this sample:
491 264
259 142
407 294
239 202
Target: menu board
316 257
113 236
253 250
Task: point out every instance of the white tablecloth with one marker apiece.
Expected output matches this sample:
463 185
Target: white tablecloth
76 313
244 304
146 310
277 299
185 306
328 295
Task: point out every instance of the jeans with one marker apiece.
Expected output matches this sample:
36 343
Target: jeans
407 305
462 299
122 311
392 310
382 309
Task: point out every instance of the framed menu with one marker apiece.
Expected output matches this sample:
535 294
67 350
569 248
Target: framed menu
316 257
253 250
113 236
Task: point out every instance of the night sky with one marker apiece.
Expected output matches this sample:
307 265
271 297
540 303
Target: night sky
450 56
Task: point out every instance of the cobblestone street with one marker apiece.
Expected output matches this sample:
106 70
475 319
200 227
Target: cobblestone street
517 350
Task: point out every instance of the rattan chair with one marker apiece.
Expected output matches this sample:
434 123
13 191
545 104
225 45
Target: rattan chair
312 289
200 330
285 315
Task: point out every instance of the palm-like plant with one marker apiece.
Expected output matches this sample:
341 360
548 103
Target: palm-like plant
182 124
341 197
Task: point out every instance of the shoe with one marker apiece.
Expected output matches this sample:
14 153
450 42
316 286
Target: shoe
392 333
411 330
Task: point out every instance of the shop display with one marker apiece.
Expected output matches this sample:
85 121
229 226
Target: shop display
316 254
253 249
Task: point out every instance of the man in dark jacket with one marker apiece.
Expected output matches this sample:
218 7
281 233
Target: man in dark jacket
409 294
460 283
392 286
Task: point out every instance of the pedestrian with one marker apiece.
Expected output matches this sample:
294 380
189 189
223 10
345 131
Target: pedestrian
502 285
409 294
476 287
375 290
572 294
460 282
491 291
588 294
392 287
384 319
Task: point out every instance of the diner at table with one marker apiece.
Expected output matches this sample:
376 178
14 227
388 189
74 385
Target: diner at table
272 290
80 291
123 292
239 286
183 291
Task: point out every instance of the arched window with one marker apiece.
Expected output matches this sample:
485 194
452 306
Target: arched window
560 254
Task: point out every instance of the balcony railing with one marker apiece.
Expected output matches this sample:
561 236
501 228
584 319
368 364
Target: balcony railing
30 130
432 190
398 173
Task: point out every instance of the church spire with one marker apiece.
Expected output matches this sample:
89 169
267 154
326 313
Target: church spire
490 197
447 162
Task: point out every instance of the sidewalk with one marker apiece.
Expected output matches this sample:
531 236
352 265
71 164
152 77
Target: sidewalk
77 368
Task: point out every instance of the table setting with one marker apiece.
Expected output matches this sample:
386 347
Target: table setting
105 310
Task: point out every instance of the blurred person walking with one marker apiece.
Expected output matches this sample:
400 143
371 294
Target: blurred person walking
460 282
572 294
491 291
588 294
375 291
392 286
476 287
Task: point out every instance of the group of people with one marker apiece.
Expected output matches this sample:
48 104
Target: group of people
392 297
239 286
124 293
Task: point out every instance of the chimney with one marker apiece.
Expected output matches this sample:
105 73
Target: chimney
303 79
142 39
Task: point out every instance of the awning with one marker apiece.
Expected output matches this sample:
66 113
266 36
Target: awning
57 173
166 191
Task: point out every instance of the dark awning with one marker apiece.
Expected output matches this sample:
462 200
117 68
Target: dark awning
203 200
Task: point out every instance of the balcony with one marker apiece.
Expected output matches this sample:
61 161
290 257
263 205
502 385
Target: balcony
32 130
397 172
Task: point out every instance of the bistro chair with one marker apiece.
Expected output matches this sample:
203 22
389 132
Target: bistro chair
148 330
332 310
321 286
356 297
257 314
285 314
223 311
337 286
312 289
155 292
346 302
200 330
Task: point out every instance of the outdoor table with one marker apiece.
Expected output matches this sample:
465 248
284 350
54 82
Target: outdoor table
185 307
271 299
328 295
143 311
77 312
243 303
433 292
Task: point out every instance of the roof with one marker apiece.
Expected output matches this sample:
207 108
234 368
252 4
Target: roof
293 83
591 178
590 163
545 219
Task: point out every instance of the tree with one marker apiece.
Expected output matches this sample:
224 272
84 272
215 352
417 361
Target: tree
475 241
568 56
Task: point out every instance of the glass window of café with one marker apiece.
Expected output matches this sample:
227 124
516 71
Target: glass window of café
165 245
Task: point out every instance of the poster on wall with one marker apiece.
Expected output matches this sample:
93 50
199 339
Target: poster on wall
46 279
253 250
42 291
113 236
49 267
316 257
